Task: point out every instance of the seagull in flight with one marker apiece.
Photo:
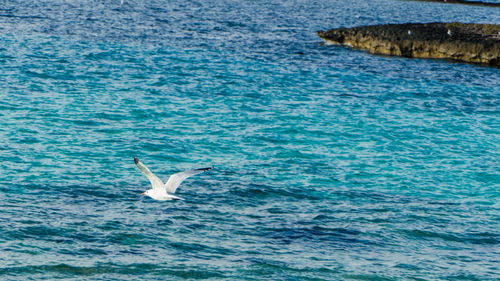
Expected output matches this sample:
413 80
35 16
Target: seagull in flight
165 191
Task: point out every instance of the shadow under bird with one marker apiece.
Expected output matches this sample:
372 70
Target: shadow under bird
161 191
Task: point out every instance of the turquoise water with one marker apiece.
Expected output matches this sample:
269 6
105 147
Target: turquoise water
330 163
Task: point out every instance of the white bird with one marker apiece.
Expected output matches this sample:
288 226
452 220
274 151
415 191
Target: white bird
449 32
165 191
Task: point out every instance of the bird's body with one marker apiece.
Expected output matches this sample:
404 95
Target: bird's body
165 191
160 194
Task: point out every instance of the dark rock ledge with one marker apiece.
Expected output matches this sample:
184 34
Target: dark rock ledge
475 3
467 42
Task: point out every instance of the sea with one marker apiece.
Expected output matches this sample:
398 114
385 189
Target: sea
328 163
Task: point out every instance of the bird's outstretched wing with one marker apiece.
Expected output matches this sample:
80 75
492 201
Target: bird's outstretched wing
155 181
176 179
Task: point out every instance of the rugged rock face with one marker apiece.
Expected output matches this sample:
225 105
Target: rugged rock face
474 43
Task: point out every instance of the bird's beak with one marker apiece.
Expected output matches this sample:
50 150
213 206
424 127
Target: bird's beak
144 193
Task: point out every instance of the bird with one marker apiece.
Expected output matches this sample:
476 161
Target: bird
165 191
449 33
409 32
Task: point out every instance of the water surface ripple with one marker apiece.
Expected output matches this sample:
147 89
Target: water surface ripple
330 163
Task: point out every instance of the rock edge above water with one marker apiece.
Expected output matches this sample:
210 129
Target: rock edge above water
474 3
467 42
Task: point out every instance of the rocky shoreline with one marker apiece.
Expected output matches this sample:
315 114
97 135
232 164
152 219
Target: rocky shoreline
466 42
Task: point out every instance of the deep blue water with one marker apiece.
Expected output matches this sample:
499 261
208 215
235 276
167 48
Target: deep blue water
330 163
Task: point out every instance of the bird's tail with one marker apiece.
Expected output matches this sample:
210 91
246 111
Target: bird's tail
175 197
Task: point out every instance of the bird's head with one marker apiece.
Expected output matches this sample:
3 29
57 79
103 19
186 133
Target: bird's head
147 192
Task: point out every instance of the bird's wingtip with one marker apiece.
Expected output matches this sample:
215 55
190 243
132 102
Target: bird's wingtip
205 169
136 160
